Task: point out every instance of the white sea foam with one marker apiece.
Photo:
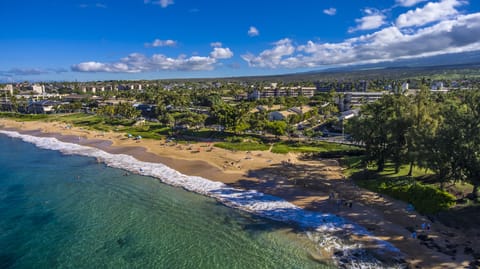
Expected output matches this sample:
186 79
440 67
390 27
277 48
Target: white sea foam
325 229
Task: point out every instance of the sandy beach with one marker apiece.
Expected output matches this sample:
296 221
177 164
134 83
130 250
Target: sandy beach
304 182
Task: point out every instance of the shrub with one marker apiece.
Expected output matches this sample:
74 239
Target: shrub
234 139
281 149
426 199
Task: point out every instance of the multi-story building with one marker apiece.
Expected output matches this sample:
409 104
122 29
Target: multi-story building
7 89
268 92
36 88
437 86
342 86
351 100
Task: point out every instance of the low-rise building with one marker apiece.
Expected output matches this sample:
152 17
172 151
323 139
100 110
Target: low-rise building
41 107
283 115
279 115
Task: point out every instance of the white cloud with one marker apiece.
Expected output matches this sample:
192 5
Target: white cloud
91 67
161 43
461 34
136 63
330 11
165 3
408 3
97 5
253 31
221 53
373 20
216 44
431 12
272 58
162 3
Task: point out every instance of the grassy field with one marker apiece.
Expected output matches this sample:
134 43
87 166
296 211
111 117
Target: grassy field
426 197
312 147
97 123
24 117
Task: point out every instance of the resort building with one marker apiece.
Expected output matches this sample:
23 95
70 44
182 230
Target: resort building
351 100
342 86
37 89
91 89
7 89
437 86
41 107
283 115
273 92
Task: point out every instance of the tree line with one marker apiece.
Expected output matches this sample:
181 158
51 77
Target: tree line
439 132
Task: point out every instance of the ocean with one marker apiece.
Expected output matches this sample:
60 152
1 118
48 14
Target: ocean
68 211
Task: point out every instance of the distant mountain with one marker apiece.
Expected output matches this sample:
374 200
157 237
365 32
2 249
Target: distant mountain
467 58
452 66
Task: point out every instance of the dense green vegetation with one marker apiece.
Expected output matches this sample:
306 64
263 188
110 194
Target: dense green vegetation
437 132
23 117
423 194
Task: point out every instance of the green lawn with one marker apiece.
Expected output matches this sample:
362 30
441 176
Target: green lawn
425 197
94 122
312 147
151 131
23 117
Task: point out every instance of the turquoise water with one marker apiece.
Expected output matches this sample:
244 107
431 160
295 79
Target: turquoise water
60 211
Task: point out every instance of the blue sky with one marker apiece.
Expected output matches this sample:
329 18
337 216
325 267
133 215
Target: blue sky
150 39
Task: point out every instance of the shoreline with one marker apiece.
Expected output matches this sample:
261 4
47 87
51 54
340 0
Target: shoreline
272 175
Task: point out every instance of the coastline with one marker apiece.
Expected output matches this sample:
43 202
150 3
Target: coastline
268 173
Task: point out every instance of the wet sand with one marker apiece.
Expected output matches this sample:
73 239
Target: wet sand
304 182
